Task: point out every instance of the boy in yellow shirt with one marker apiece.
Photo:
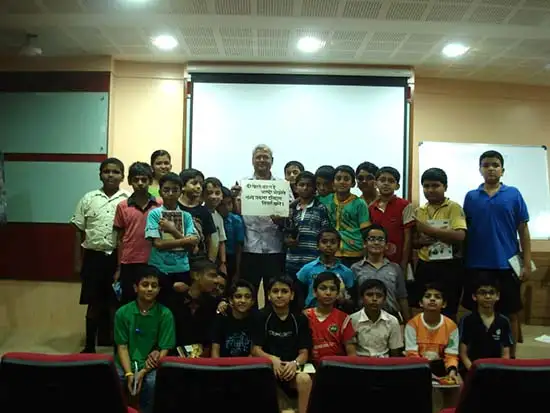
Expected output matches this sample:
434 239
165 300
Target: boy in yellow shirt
440 231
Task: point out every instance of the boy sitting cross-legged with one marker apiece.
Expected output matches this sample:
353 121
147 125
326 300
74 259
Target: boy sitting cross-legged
141 327
331 328
377 332
284 337
232 332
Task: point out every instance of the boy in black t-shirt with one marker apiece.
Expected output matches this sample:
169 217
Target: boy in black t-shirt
284 338
195 310
231 336
484 333
191 201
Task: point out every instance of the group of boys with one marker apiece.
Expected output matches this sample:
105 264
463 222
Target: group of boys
346 257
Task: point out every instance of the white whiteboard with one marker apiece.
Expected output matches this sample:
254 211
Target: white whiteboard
525 167
314 124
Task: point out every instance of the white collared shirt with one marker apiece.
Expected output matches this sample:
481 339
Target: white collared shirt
376 338
95 215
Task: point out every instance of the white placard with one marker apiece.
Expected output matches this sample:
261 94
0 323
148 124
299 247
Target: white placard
265 198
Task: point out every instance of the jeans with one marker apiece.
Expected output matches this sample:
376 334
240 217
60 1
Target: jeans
147 392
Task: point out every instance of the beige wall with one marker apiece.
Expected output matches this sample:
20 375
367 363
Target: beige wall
147 113
477 112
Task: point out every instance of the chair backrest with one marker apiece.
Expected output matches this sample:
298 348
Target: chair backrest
497 385
391 385
83 383
240 384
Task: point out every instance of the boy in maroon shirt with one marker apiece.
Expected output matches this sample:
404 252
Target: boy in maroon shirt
130 220
395 214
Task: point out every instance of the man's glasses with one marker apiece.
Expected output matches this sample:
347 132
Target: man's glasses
379 240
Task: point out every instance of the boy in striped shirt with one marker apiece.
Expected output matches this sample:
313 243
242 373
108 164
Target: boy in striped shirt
306 220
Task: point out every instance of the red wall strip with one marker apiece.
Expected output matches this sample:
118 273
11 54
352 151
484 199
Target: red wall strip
54 157
37 252
55 81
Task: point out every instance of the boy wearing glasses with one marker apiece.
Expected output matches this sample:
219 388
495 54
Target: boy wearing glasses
376 266
395 215
485 333
366 181
172 234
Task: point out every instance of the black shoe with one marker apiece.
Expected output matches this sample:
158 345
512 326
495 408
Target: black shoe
88 350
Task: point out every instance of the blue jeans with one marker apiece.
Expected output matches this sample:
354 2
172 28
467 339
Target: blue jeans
147 393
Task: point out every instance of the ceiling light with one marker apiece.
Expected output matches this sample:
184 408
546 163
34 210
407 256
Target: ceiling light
310 44
455 50
164 42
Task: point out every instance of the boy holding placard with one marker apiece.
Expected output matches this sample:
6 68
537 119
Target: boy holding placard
440 230
496 214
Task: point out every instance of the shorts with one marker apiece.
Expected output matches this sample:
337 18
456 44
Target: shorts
510 290
129 275
97 276
448 273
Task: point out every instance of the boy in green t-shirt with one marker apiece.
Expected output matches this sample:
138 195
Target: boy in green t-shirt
142 327
349 214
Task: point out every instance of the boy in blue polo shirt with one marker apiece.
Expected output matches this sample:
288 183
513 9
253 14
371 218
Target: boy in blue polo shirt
142 327
172 233
328 242
495 215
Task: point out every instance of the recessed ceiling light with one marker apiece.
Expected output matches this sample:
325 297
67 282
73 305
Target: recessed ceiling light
164 42
455 50
310 44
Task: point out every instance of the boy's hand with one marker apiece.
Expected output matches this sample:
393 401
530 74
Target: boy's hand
139 378
424 239
289 370
180 287
525 272
130 383
153 359
222 307
167 226
277 366
223 268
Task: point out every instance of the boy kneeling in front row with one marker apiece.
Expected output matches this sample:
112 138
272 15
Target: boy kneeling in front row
141 327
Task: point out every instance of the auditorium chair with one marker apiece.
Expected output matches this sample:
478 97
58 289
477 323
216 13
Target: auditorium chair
240 384
389 385
76 383
499 385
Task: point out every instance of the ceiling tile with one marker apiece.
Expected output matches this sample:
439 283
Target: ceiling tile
189 6
387 46
450 13
406 11
273 53
540 4
529 18
510 3
319 8
349 35
425 38
200 42
388 37
98 6
417 47
235 32
124 36
62 6
233 7
267 43
20 7
88 36
341 54
488 14
191 31
274 33
362 9
320 34
135 50
281 8
344 45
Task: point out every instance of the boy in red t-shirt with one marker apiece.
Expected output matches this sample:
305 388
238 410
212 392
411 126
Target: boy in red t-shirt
331 329
395 214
